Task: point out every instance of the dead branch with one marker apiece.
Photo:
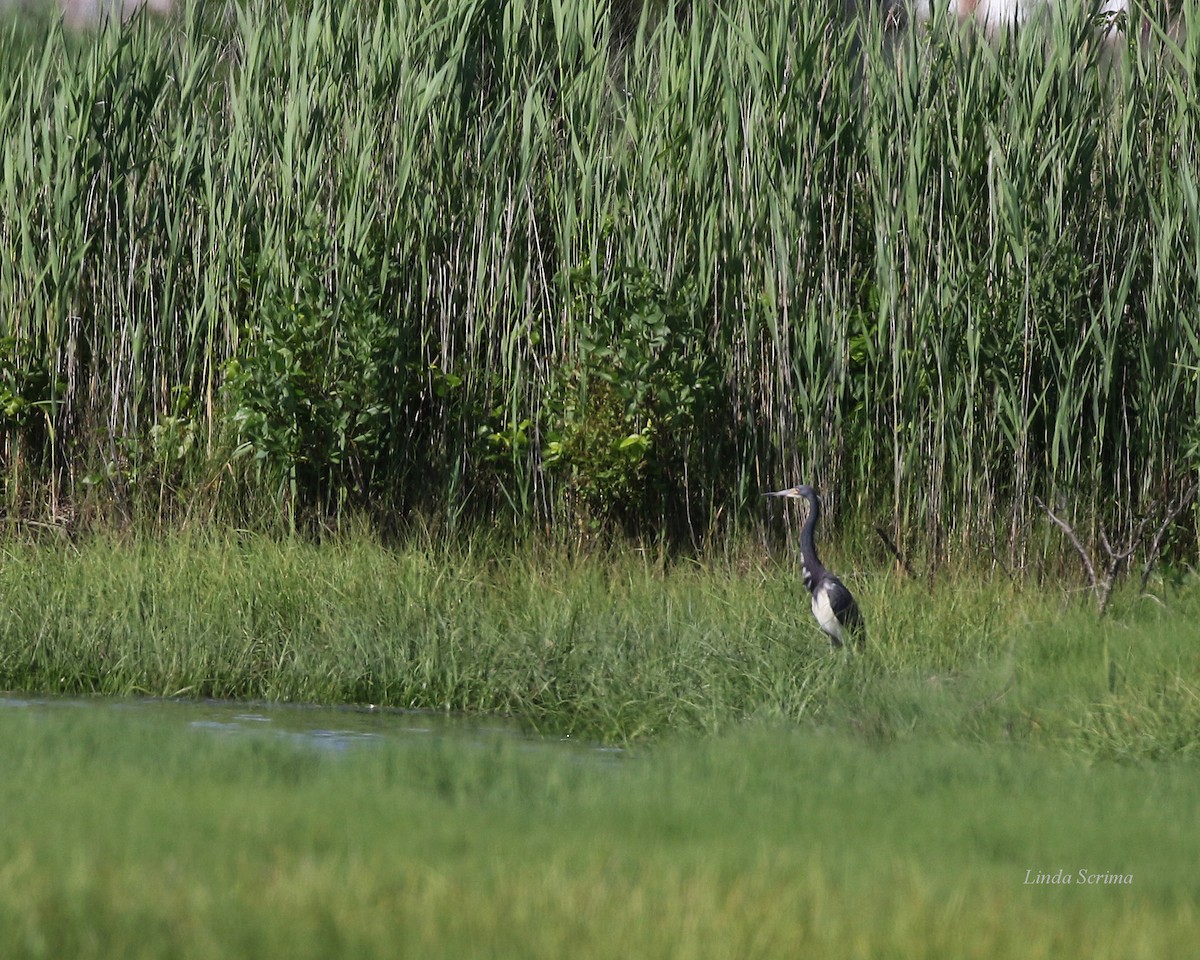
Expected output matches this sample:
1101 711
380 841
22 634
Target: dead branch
1173 513
895 551
1119 556
1117 559
1070 532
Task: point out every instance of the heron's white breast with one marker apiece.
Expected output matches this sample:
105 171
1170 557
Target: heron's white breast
823 610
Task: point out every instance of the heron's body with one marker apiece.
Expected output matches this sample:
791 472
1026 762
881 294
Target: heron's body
833 604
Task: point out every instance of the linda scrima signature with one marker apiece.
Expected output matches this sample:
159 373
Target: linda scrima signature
1080 877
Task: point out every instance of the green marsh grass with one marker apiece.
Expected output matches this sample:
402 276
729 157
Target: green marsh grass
123 837
774 798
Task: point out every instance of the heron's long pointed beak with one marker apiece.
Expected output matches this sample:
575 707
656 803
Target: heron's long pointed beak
790 492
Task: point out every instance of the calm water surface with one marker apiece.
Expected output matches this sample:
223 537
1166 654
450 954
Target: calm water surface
334 729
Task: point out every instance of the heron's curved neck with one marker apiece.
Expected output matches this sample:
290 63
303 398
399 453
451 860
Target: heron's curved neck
813 570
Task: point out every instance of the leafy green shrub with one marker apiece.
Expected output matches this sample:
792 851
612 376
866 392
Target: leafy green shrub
643 379
317 384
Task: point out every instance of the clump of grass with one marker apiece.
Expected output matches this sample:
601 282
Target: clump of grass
619 647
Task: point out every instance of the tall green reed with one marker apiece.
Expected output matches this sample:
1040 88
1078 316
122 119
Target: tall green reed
538 261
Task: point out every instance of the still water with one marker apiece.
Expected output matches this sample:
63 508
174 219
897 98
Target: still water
330 729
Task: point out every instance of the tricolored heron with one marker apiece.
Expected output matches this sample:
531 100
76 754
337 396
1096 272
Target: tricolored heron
832 602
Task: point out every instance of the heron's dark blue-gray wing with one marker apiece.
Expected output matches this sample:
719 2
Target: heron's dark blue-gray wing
845 608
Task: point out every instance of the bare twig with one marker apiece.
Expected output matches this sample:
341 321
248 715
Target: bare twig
895 551
1116 559
1156 544
1070 532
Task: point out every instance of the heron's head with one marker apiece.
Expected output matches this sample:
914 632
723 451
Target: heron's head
804 491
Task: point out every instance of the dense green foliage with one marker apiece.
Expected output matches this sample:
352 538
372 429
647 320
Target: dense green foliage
620 649
126 836
480 258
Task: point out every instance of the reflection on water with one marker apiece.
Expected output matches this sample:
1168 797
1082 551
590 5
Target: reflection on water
333 729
